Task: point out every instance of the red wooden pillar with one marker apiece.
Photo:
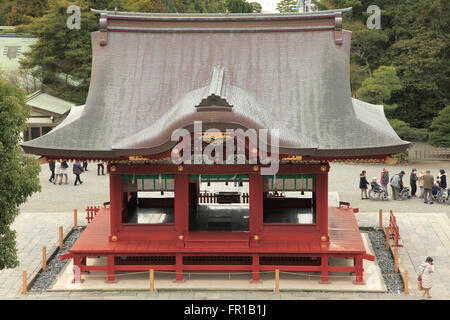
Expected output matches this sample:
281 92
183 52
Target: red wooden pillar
181 203
255 203
359 270
76 269
110 269
255 268
322 202
178 268
116 203
324 269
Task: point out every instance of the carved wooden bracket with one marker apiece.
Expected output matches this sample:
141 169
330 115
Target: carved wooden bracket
103 28
338 27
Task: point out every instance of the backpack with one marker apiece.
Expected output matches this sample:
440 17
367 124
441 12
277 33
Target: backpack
64 165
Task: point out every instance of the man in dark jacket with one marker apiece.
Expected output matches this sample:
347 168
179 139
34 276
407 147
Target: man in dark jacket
51 165
77 169
413 182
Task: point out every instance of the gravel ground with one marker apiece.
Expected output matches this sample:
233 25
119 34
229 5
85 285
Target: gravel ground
393 281
54 266
385 259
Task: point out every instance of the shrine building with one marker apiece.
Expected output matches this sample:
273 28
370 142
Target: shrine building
153 74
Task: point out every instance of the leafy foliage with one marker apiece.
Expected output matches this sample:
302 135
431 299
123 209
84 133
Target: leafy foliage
378 88
19 174
287 6
405 131
440 129
414 38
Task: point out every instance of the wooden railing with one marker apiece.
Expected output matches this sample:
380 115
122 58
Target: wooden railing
91 212
443 154
212 198
394 230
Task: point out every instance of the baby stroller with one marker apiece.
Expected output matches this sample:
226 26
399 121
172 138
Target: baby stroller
441 196
405 194
377 193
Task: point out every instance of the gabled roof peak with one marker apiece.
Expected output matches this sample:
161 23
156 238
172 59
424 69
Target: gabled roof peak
215 99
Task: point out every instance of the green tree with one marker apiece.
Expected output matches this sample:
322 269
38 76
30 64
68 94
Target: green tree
19 174
287 6
440 129
21 11
406 132
256 7
239 6
378 88
414 38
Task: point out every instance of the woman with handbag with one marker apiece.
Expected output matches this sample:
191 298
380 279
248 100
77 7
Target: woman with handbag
426 277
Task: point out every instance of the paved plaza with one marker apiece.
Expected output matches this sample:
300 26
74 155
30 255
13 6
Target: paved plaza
425 231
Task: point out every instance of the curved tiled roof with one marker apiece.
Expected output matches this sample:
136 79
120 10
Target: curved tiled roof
153 74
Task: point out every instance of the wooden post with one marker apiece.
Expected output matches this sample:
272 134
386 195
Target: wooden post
24 281
396 258
277 280
406 282
381 219
44 258
60 237
75 225
388 245
152 280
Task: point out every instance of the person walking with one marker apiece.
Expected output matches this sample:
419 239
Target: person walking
100 166
51 165
57 171
397 185
77 169
413 182
64 167
385 180
85 164
426 276
422 173
363 183
428 181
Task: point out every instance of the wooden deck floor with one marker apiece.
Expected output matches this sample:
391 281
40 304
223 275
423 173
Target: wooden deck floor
345 238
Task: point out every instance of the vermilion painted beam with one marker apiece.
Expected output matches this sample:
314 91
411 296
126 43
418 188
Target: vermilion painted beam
116 203
212 169
322 203
255 203
181 208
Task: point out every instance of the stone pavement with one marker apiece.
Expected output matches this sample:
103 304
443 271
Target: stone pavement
425 232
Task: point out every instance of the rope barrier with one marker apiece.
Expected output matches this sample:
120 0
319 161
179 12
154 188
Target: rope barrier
229 274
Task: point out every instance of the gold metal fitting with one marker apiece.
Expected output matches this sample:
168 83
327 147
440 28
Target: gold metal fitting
114 238
180 168
323 238
113 168
255 168
256 237
323 168
181 237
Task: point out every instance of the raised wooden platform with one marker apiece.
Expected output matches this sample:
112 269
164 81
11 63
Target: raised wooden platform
222 250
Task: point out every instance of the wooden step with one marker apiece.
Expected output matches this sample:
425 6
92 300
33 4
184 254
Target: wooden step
219 239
